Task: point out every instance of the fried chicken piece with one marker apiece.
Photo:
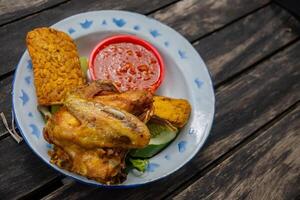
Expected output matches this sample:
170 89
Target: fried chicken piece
105 165
137 102
56 65
101 126
86 126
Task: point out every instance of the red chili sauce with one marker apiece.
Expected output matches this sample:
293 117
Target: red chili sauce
130 66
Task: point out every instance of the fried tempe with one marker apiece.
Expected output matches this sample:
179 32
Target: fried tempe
56 65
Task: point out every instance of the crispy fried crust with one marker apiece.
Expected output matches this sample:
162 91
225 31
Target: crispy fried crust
56 65
176 111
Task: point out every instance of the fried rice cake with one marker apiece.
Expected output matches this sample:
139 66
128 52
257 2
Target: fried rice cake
56 64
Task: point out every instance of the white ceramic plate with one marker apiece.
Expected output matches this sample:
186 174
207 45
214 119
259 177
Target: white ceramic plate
186 77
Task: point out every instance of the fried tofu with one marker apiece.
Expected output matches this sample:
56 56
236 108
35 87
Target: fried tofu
56 65
176 111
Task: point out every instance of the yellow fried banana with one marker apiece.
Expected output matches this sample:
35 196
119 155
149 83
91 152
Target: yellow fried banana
176 111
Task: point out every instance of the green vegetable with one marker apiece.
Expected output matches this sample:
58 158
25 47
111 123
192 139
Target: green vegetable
84 65
44 110
54 108
139 164
161 135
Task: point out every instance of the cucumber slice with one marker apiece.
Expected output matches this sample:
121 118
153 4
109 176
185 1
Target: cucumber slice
84 65
161 136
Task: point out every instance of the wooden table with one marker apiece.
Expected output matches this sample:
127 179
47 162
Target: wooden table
252 50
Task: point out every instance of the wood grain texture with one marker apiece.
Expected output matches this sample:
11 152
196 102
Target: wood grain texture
281 29
243 106
12 36
242 44
272 108
85 189
15 40
5 101
196 18
179 16
15 34
16 9
266 168
21 171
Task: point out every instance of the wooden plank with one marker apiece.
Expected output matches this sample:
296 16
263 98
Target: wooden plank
196 18
233 49
49 17
12 10
21 170
12 36
266 168
282 42
207 15
267 30
234 56
5 101
26 170
243 106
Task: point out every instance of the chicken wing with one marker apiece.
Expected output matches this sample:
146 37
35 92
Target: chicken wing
94 129
105 165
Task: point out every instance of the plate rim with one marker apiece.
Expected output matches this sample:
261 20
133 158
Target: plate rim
98 184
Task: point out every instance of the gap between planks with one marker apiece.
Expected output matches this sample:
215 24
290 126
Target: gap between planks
67 1
230 23
230 79
233 150
150 13
34 13
44 190
6 75
249 66
236 147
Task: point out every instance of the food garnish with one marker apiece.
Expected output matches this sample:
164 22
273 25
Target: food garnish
162 133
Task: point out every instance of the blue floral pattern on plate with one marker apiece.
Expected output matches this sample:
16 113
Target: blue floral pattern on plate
152 167
28 79
198 82
154 33
24 97
182 146
29 64
71 30
86 24
34 130
119 22
192 131
182 54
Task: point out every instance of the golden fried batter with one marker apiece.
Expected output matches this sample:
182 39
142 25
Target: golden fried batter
56 65
105 165
94 129
176 111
